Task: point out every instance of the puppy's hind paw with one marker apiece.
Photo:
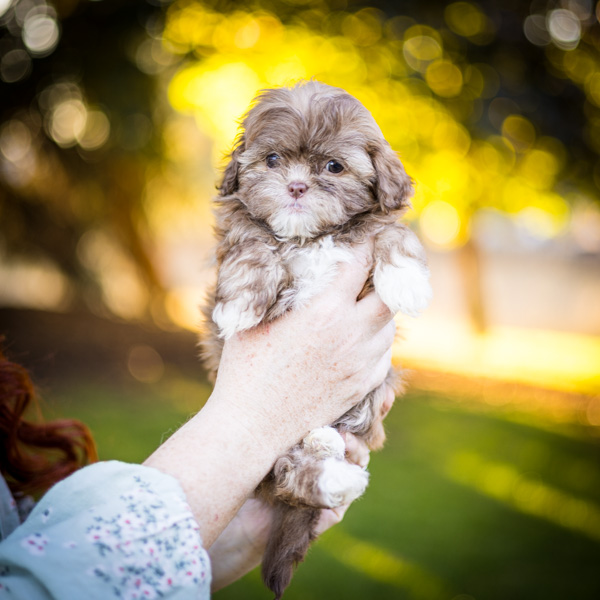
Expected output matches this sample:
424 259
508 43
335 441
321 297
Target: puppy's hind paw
341 482
324 442
235 315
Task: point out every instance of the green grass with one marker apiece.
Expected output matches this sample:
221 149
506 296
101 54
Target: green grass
464 502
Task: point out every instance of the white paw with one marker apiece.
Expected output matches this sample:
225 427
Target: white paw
324 442
404 286
341 483
236 315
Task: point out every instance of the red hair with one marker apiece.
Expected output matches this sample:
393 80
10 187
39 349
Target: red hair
34 456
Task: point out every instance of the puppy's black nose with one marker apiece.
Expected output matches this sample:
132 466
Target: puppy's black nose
297 189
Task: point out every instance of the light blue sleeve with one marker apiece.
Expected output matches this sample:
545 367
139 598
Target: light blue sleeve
111 530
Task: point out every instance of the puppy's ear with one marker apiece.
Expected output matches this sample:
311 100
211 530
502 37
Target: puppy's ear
230 183
393 187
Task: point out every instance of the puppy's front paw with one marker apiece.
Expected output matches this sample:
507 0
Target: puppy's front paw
404 286
236 315
340 482
324 442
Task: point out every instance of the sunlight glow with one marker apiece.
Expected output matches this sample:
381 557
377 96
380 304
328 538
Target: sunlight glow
382 565
206 90
440 222
504 483
38 285
181 305
236 59
557 360
122 289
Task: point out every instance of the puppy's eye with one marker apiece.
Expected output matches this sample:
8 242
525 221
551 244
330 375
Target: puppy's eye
334 167
272 160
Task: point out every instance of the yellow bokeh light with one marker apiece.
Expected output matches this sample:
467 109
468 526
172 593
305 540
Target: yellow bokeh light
485 157
519 132
96 132
363 28
465 18
474 81
271 32
542 224
444 78
189 26
579 65
219 94
15 140
68 122
286 72
540 168
247 36
440 223
239 31
592 88
420 50
449 135
181 304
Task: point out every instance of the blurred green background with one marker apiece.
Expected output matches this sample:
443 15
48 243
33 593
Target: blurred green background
115 118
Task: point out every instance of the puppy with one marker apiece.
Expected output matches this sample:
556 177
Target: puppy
310 176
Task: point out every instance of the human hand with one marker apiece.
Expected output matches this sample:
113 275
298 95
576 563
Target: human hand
310 366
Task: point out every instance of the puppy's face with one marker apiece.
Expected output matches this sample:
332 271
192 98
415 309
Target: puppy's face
303 189
311 157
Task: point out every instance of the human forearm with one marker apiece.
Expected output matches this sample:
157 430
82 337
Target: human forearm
205 456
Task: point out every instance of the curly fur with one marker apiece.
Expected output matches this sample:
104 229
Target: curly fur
286 215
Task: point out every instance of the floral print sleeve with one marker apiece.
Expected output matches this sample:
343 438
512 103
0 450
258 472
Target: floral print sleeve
111 530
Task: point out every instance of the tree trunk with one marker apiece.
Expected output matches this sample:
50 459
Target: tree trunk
469 261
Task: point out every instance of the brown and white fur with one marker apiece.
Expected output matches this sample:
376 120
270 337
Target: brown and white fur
311 175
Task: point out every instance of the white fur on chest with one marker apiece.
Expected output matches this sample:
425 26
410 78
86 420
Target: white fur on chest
314 267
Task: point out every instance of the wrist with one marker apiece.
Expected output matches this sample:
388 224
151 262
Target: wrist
261 415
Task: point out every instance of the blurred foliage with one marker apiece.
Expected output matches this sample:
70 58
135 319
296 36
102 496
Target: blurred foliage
493 106
79 130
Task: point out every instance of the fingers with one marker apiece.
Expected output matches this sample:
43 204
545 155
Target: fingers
380 371
383 340
390 397
374 310
388 334
353 274
357 451
330 517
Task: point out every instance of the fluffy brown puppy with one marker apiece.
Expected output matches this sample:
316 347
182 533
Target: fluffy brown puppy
311 175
